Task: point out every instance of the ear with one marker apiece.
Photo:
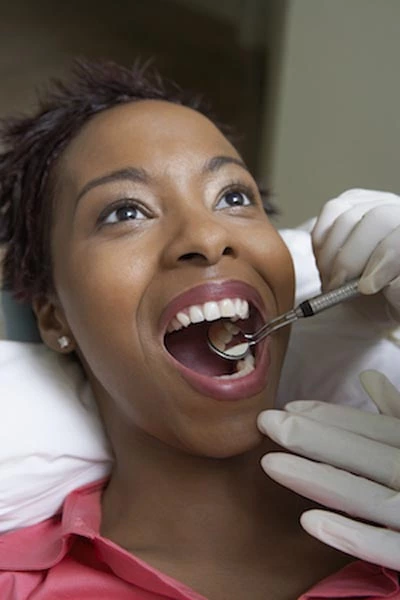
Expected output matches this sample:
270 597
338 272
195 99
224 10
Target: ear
52 324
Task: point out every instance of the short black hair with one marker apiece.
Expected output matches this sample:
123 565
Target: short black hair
30 147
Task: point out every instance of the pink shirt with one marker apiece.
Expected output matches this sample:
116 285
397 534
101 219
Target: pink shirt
65 557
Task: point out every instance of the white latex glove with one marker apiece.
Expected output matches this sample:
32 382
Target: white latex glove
358 233
357 470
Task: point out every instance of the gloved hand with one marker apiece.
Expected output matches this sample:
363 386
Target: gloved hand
358 233
358 469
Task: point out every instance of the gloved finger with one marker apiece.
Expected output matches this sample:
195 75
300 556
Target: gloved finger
351 198
352 239
392 295
378 427
338 232
383 265
329 214
382 392
373 233
372 544
334 446
335 488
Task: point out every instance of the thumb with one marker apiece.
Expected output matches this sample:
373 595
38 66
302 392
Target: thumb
377 545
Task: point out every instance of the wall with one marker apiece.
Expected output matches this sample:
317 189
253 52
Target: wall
336 121
204 50
249 16
38 40
225 9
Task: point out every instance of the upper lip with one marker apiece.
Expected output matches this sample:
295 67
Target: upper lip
216 290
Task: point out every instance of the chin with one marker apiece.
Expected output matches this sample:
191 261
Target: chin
226 439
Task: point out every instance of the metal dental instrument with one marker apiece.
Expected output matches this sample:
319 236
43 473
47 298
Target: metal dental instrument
307 308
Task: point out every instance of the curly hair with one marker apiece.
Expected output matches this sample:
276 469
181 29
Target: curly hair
32 145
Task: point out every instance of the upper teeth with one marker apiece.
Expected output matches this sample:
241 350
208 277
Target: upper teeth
233 308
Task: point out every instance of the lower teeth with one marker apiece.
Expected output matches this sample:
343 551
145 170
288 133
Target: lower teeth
243 368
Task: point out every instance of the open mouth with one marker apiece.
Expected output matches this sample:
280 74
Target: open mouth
186 336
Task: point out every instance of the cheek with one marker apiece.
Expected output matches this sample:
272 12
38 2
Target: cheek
101 294
284 279
101 289
274 262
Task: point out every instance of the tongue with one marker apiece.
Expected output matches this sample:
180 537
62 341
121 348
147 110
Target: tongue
189 346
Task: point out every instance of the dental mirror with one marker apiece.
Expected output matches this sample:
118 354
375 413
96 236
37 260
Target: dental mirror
307 308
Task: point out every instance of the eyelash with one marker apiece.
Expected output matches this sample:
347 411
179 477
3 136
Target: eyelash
241 188
233 186
121 203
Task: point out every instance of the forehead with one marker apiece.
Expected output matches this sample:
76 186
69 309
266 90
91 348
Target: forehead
154 132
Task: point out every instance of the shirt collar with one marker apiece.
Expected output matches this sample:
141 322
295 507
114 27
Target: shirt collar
44 545
358 579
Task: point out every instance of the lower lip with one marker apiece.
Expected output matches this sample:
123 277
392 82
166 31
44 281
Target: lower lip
230 389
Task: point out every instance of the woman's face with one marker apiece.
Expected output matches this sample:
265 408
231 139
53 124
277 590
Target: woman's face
157 217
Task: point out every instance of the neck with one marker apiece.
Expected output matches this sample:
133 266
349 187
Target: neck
215 524
161 497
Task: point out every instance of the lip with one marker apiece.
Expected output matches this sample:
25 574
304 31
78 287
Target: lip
217 388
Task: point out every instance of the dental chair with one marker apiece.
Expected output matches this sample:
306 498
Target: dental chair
17 321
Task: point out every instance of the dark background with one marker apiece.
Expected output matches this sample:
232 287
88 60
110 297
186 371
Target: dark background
218 49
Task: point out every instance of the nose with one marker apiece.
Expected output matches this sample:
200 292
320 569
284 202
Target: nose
198 240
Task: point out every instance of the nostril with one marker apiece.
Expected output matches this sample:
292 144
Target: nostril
192 256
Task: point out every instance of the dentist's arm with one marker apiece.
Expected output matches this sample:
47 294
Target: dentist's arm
352 465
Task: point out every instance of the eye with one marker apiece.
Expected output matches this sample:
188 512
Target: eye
234 198
123 210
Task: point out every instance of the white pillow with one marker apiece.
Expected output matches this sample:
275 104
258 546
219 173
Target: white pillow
51 437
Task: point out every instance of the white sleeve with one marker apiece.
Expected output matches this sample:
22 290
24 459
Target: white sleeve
298 241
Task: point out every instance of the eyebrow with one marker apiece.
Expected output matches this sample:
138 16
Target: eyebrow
215 163
130 173
136 174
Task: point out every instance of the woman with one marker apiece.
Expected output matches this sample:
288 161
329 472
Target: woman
131 222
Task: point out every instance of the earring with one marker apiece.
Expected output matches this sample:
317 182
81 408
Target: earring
63 342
